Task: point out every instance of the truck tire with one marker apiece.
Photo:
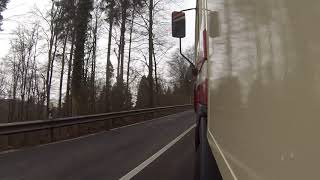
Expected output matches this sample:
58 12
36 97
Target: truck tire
206 166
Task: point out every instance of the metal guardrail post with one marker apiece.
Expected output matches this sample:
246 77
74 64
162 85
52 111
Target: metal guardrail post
51 134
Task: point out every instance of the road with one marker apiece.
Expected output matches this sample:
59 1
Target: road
111 155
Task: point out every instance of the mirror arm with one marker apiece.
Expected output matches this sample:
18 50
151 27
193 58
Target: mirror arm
196 9
191 63
188 9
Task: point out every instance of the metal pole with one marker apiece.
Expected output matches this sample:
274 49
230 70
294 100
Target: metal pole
191 63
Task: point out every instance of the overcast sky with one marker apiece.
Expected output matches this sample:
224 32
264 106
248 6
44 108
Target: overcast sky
17 13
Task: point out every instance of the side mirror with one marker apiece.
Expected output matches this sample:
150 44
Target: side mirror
214 25
178 24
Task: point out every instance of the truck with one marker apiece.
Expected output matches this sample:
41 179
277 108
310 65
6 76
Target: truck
258 120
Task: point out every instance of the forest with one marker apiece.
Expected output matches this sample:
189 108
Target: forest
57 67
53 66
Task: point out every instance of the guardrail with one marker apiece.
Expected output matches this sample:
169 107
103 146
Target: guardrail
15 135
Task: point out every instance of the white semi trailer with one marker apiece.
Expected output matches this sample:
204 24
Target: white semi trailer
261 119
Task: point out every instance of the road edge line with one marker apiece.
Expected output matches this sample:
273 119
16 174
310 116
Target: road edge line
144 164
147 121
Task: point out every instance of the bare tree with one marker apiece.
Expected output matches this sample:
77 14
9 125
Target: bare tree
24 87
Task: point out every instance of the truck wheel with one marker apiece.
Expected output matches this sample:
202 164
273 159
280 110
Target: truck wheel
206 166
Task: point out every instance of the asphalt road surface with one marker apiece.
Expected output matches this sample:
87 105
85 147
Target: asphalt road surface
159 149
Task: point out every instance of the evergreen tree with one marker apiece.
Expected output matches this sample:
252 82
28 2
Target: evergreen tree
81 26
143 93
120 99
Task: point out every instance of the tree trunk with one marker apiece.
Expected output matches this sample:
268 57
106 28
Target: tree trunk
122 38
150 78
156 79
130 48
73 36
155 71
68 99
51 74
82 17
14 94
50 57
93 65
62 72
107 108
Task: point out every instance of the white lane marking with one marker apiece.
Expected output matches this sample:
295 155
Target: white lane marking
51 143
147 121
9 151
72 139
223 157
143 165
